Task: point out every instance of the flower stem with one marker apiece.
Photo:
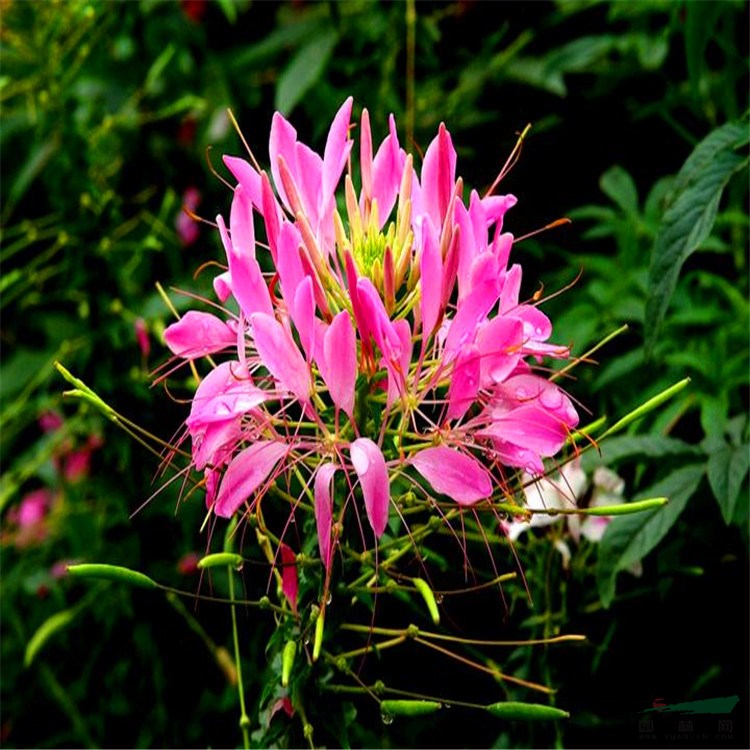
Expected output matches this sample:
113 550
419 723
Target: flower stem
244 719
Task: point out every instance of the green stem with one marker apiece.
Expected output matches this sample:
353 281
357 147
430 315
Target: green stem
69 708
244 719
411 23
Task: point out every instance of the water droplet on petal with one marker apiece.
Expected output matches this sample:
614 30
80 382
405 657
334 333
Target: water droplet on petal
521 393
360 460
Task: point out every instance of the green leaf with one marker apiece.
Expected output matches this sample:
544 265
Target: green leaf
629 539
630 446
152 84
690 216
727 469
700 22
618 185
304 70
44 632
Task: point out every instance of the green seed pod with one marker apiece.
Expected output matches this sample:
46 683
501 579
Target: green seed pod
526 711
287 661
112 573
428 597
44 632
221 558
409 707
318 643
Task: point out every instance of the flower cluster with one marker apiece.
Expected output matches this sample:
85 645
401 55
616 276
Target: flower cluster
381 340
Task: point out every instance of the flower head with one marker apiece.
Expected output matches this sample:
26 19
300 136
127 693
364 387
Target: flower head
380 341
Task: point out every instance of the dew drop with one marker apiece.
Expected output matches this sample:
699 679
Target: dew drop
439 598
360 460
520 393
551 399
386 718
223 408
539 331
329 598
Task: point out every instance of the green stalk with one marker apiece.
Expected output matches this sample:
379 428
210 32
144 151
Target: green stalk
244 719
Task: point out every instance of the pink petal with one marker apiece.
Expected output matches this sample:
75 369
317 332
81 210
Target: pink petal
324 511
431 283
246 472
248 285
308 175
303 315
271 214
501 246
337 149
226 392
439 175
365 154
387 170
223 286
289 581
529 427
247 177
280 355
360 318
215 442
455 474
197 334
369 465
241 224
464 382
499 341
282 143
495 207
340 355
470 314
289 265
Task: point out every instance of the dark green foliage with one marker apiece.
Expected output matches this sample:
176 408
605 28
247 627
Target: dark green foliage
640 131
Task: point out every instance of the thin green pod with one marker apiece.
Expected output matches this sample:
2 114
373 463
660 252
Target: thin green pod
403 707
112 573
318 642
621 510
287 661
429 598
44 632
526 711
218 559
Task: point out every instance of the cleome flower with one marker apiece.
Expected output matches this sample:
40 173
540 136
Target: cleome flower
377 338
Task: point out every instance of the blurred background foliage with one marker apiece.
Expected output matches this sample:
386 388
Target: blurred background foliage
112 115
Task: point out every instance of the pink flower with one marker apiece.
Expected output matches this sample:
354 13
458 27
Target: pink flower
29 520
388 340
187 227
141 336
